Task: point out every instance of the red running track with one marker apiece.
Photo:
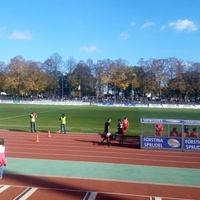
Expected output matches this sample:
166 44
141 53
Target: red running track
86 147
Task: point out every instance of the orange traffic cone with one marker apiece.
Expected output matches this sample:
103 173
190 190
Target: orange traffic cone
37 138
49 134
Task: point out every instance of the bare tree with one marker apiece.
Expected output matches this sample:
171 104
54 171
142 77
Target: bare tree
52 75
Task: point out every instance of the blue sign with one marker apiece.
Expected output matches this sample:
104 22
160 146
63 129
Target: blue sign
16 101
192 144
170 121
151 142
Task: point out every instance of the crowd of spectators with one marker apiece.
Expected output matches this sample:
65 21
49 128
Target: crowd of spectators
102 99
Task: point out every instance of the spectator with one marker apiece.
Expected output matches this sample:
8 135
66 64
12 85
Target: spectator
2 157
174 132
194 133
186 131
159 129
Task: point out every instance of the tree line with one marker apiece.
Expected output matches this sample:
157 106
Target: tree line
169 79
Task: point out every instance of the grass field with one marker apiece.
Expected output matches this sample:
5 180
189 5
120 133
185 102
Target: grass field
85 119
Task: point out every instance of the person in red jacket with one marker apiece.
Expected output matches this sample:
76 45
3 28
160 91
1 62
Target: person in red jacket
2 157
159 129
186 132
125 125
194 133
174 132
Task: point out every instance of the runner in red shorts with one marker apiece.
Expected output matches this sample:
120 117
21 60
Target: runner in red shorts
125 125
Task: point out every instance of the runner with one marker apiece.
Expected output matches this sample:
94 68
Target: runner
107 134
125 125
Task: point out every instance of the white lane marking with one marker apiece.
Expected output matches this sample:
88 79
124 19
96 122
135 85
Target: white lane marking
3 188
155 198
12 117
90 196
108 193
26 194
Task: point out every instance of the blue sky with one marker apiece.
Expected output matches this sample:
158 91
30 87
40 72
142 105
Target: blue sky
100 29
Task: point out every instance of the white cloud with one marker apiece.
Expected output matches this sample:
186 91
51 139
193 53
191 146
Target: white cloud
124 35
88 49
181 25
148 24
17 35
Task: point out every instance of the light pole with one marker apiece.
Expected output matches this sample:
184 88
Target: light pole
79 89
132 92
63 85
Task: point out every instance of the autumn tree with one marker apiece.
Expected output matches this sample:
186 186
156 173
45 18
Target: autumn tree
172 78
16 75
2 76
36 81
119 76
140 87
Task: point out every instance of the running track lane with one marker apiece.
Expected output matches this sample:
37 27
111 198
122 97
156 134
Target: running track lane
88 144
53 188
86 147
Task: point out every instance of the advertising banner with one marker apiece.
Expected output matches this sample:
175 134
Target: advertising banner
169 121
192 144
151 142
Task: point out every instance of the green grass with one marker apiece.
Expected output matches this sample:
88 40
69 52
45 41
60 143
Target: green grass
85 119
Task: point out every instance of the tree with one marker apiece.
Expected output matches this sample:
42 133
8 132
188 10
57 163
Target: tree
102 74
156 77
36 81
70 65
177 84
160 74
2 76
121 78
150 78
140 86
52 67
15 77
133 82
192 80
82 81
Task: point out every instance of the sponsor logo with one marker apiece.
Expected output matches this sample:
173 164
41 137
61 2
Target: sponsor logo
173 121
173 143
